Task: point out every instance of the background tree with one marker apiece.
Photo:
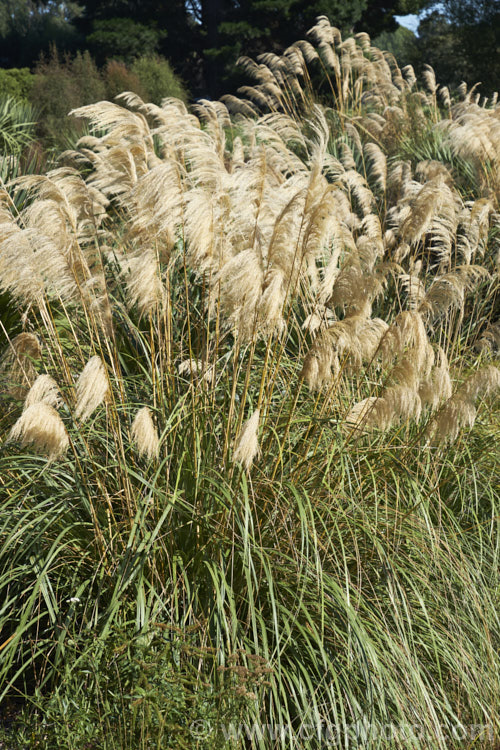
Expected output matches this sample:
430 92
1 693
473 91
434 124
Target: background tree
379 16
476 26
402 43
248 27
461 40
128 29
202 39
122 39
29 28
438 44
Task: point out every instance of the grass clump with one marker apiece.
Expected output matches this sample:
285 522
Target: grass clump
266 494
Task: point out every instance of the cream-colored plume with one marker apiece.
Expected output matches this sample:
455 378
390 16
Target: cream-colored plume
247 442
359 415
490 339
482 383
91 388
460 410
321 363
142 275
41 426
398 403
436 388
44 390
378 163
196 368
144 434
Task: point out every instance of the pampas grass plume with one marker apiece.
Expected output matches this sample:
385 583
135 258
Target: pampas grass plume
460 410
41 426
196 368
144 434
359 414
26 345
44 390
247 442
91 388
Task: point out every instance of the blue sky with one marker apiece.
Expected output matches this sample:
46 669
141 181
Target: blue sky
411 22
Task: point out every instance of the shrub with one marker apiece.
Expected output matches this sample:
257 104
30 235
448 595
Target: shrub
16 82
119 78
137 690
63 85
158 79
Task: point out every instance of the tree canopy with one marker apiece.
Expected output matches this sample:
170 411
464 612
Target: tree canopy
204 38
461 40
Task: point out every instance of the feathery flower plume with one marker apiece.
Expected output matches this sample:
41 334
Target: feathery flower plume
190 367
455 414
403 401
271 302
26 345
378 163
144 287
41 426
310 371
460 410
91 388
312 322
482 383
490 339
437 388
195 368
396 403
144 434
359 414
321 363
429 77
44 390
414 289
247 442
